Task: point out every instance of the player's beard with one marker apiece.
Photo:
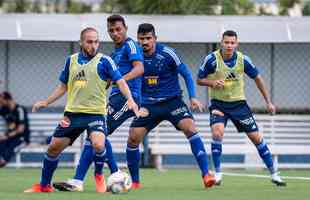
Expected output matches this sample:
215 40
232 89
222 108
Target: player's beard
91 53
146 49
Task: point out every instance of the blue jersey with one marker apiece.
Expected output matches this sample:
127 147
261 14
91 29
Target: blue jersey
106 68
209 65
123 56
160 79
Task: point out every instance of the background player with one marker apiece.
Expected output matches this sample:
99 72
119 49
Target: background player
222 71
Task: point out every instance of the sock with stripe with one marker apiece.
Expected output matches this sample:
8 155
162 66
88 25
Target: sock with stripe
216 148
133 159
199 152
49 166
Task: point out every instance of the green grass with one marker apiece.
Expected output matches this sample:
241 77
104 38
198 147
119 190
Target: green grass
178 184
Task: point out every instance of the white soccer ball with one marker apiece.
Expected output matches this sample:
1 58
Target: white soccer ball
119 182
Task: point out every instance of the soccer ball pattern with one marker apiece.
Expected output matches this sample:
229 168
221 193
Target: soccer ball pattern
119 182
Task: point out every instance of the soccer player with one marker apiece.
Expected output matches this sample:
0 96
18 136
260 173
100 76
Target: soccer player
222 72
129 59
84 78
17 133
162 100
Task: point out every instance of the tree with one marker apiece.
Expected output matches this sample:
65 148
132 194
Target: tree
183 7
76 7
285 5
22 6
306 10
37 7
237 7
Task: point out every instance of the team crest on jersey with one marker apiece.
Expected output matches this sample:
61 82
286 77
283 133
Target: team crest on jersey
65 122
144 112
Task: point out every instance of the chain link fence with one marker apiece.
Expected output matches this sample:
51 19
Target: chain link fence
30 70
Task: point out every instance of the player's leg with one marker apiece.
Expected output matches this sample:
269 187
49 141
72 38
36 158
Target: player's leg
77 124
218 121
138 129
2 152
180 116
245 122
11 147
136 135
65 134
96 132
50 162
118 113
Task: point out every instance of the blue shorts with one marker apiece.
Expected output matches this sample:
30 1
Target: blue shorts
238 112
73 124
173 110
118 112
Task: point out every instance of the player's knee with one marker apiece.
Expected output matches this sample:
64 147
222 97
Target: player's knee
53 150
98 146
134 141
217 132
187 126
255 137
189 131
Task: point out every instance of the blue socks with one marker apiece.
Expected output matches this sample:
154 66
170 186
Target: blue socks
266 156
133 159
216 148
87 157
199 152
85 161
49 166
99 161
109 157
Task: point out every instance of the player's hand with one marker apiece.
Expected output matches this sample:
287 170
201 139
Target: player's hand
271 108
133 106
195 104
38 105
218 84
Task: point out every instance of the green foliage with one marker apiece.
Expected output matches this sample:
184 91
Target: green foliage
285 5
237 7
306 10
178 7
77 7
36 8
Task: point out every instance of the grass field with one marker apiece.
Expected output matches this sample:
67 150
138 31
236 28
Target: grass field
178 184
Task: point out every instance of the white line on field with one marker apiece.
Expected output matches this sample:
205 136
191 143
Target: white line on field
265 176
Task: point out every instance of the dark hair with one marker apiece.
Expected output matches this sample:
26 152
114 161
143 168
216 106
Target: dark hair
146 28
116 18
230 33
85 30
6 95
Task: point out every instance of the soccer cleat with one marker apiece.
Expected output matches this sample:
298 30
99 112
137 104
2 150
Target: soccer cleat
71 185
218 178
39 188
276 179
209 180
136 185
100 183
